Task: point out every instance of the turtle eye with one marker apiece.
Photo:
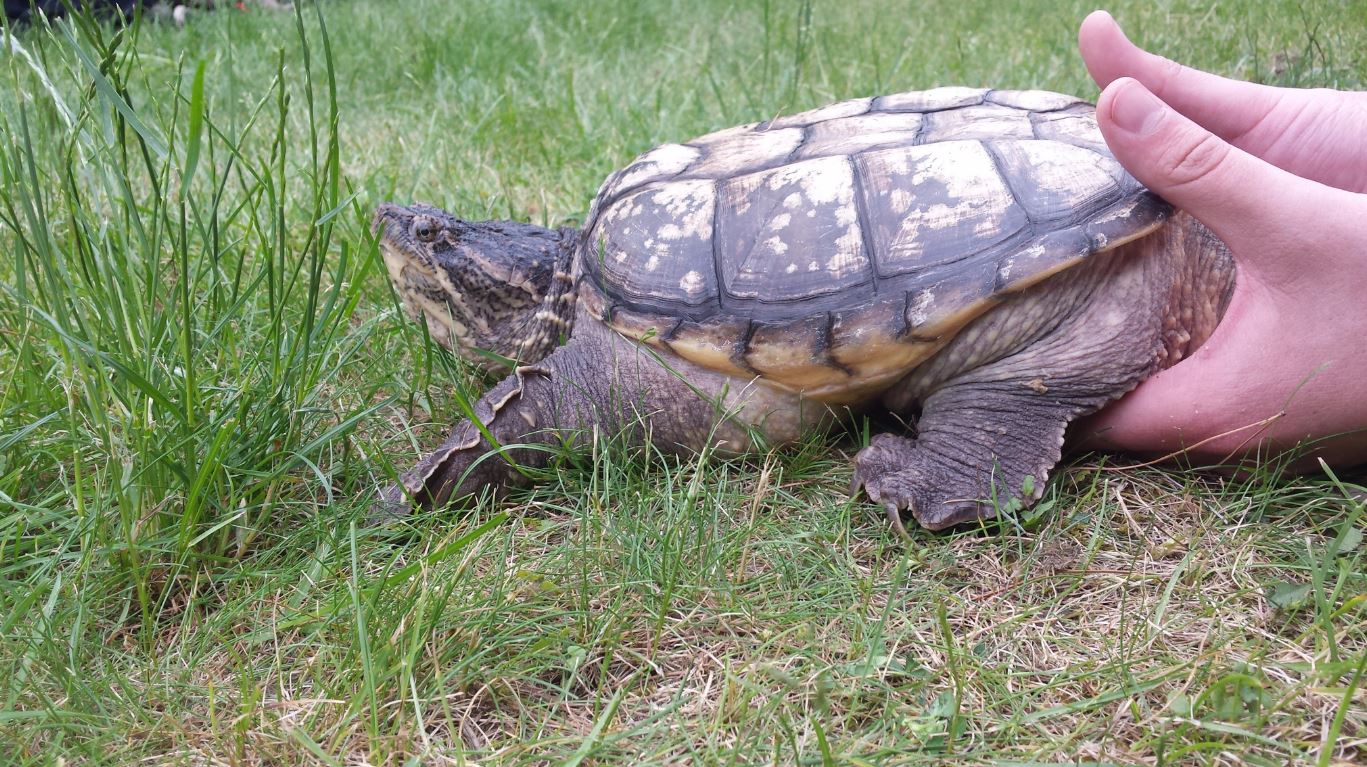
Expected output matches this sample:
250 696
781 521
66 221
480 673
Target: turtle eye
425 228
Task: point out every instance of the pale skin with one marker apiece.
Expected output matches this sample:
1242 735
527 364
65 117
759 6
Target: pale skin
1280 175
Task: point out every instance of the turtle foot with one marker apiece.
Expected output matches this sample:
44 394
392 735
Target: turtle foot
895 472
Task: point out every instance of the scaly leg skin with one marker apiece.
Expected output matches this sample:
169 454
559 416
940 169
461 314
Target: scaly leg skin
977 442
996 401
597 380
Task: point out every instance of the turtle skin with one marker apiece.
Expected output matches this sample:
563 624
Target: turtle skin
973 261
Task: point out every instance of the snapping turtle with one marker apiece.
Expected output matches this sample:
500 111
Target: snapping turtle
971 260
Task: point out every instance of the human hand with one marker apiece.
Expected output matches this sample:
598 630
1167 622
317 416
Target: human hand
1314 133
1279 175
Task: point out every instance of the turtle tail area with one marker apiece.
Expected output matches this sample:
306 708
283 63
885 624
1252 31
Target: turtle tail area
1202 291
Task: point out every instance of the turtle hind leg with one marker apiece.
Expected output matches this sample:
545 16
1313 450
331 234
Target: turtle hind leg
996 400
978 448
991 418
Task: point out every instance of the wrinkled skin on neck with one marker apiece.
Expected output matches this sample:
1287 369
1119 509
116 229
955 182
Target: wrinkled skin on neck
490 291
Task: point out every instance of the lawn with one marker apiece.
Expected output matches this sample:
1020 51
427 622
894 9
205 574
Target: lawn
205 375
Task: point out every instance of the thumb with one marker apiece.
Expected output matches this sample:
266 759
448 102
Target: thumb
1244 200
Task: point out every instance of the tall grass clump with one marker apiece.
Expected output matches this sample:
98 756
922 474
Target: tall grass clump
172 338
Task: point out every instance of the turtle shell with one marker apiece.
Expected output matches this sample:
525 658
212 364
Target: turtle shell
828 252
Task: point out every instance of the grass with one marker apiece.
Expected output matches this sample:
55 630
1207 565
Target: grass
204 376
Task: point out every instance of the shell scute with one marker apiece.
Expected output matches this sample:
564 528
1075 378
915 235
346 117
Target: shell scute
1054 181
717 343
799 220
945 302
796 353
1127 220
659 164
930 206
1048 255
839 109
657 244
857 134
1034 101
1076 126
873 343
987 121
729 156
933 100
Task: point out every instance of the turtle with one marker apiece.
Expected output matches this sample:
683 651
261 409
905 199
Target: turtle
973 262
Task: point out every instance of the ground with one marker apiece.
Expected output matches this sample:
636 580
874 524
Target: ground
204 376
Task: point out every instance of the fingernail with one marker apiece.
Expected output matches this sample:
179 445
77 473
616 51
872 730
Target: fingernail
1135 110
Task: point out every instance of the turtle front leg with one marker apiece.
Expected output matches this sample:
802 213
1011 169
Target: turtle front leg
596 381
468 460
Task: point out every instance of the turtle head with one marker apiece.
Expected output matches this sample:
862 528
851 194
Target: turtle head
490 291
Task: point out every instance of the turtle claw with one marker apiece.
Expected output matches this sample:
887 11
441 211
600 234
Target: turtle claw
856 482
871 469
892 508
895 517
